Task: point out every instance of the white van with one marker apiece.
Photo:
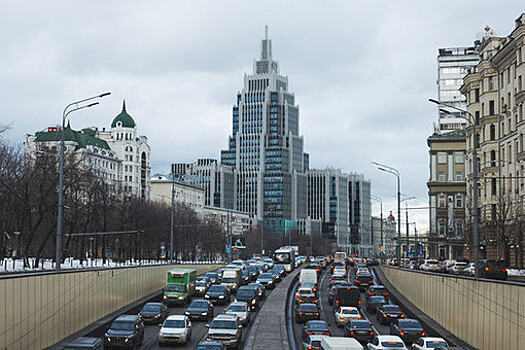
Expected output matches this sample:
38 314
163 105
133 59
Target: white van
308 275
340 343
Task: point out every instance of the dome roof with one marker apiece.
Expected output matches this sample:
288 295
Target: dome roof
126 121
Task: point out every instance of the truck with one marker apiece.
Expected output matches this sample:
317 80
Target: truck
285 256
180 286
308 275
231 278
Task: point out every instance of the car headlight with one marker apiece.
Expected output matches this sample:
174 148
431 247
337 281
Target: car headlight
207 296
108 338
181 298
165 297
204 313
253 301
221 296
156 316
186 313
161 334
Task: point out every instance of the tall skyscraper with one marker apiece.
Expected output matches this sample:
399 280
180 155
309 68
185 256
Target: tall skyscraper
265 148
453 65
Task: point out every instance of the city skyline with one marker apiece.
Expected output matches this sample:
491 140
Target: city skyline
179 90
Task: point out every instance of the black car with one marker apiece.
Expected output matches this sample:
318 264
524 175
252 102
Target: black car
377 290
218 294
201 287
388 313
306 312
276 274
252 270
331 293
85 343
360 330
407 329
260 289
213 277
363 281
267 280
249 295
495 269
245 277
315 327
154 312
200 309
125 331
375 302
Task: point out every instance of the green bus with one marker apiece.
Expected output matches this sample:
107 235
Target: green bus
180 286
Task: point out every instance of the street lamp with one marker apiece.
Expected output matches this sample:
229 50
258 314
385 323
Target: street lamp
395 172
406 206
380 201
473 122
70 108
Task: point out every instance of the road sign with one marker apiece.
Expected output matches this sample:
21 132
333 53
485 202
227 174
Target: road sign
234 249
381 249
228 250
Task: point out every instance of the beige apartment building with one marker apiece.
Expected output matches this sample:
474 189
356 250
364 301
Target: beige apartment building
495 99
447 191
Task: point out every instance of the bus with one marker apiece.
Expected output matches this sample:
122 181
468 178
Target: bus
285 256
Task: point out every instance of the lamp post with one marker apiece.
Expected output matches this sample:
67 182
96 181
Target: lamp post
395 172
381 247
406 211
172 211
473 122
70 108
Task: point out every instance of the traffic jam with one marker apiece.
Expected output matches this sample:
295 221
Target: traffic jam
339 305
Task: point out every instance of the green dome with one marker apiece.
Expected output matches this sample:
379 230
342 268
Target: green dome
126 120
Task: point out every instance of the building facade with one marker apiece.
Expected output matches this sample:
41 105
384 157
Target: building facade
495 98
236 223
342 203
447 194
265 148
189 195
385 233
453 64
217 180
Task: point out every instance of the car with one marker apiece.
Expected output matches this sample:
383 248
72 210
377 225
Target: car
495 269
337 278
360 330
267 280
218 294
331 294
281 269
339 270
245 277
175 329
200 310
249 295
424 343
362 270
252 270
389 312
305 295
226 328
276 275
306 312
363 281
310 285
407 329
241 310
374 302
86 343
431 265
345 314
201 287
313 342
211 345
470 270
347 295
376 290
315 327
213 277
458 267
260 289
125 331
386 342
152 313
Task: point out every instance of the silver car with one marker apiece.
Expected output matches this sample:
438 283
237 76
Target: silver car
241 310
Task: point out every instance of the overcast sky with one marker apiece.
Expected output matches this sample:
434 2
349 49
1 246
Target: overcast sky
362 73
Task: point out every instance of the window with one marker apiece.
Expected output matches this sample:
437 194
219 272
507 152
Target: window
492 132
441 227
491 107
441 176
493 186
493 158
441 201
459 200
459 176
442 157
458 157
459 227
492 83
476 95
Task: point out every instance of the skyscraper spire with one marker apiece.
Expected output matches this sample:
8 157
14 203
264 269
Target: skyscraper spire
123 105
266 64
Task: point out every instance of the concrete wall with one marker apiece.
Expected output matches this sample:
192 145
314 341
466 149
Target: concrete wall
38 310
486 315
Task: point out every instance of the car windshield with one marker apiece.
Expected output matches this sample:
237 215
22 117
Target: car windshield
432 344
392 344
223 324
210 347
282 258
409 324
217 289
432 262
122 326
316 343
176 288
246 293
199 304
237 308
350 312
496 264
174 324
317 325
151 308
360 324
229 280
377 299
200 284
307 307
391 308
211 275
265 276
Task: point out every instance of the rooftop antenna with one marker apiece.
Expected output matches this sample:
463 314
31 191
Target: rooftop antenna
266 32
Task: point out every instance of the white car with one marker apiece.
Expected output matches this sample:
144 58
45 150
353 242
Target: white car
429 343
458 267
241 310
339 270
431 265
386 342
362 270
345 314
313 342
470 270
175 329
